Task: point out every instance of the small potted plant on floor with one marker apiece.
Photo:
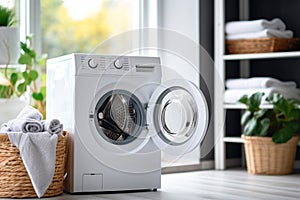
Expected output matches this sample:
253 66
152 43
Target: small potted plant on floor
269 135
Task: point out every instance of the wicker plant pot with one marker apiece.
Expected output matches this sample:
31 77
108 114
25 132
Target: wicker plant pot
262 45
263 156
14 180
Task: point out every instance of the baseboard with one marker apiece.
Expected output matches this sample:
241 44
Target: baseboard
237 162
203 165
207 164
233 162
297 164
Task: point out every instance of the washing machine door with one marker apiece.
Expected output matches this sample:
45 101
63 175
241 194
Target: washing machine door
178 116
119 120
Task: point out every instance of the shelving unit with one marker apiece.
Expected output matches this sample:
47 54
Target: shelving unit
275 55
221 59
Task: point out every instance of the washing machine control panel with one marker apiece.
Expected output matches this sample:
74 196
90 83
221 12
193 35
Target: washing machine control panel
92 64
96 64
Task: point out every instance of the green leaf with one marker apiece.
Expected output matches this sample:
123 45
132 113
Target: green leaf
260 113
250 127
14 78
21 87
294 114
254 101
32 54
273 98
282 136
243 99
29 37
38 96
292 126
264 125
5 91
43 91
25 48
245 117
25 59
25 75
33 74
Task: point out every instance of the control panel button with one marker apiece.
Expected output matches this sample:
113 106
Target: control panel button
92 64
118 64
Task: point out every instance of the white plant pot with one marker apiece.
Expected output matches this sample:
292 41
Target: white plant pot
10 108
9 45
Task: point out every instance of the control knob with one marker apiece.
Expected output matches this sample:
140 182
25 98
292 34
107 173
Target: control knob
92 64
118 64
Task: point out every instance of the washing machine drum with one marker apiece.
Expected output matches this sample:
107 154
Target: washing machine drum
119 117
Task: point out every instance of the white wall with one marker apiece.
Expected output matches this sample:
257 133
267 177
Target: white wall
181 18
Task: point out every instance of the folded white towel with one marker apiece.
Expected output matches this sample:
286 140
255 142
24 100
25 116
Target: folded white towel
30 112
258 82
28 120
236 27
233 95
53 126
267 33
24 125
5 128
38 153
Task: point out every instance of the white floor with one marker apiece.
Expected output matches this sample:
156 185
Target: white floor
228 184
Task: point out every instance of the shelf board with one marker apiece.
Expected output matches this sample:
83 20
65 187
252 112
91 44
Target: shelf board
233 139
251 56
239 140
242 106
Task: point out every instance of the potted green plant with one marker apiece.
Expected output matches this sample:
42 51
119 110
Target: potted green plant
269 134
9 54
9 36
14 84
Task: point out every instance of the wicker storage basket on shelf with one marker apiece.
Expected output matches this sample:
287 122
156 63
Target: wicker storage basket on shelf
14 180
263 156
261 45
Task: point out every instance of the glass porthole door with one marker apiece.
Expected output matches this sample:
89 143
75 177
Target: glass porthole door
119 119
178 116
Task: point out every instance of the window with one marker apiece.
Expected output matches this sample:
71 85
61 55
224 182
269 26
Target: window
82 25
7 3
69 26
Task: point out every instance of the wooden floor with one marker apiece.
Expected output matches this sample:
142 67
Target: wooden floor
228 184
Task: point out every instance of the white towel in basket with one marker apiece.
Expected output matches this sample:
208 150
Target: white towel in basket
38 153
267 33
53 126
258 82
235 27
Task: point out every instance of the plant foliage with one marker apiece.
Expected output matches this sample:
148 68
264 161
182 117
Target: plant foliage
17 83
280 123
7 17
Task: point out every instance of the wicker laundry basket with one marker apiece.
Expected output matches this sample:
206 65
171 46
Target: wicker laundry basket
263 156
14 180
262 45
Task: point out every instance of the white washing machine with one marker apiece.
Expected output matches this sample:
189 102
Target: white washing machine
120 117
